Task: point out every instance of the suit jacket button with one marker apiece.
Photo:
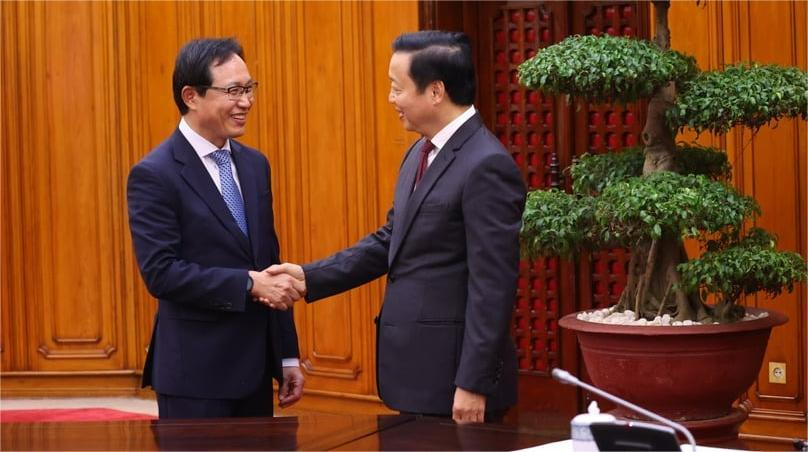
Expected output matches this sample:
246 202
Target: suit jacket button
391 278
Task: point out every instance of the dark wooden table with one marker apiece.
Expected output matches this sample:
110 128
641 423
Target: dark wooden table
311 432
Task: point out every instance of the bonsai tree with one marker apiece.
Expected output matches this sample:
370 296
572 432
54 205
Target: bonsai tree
651 198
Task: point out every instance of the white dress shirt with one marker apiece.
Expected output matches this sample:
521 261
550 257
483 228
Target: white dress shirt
442 137
203 149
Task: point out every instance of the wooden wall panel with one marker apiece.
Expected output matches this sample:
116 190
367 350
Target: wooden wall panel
65 187
330 133
96 78
11 352
771 167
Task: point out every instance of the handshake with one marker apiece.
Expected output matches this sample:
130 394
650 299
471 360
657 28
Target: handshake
279 286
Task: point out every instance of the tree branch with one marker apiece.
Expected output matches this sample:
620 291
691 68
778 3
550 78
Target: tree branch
646 277
663 32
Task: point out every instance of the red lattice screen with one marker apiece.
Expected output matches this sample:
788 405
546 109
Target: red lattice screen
536 130
526 125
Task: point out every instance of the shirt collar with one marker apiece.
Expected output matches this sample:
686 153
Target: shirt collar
442 137
202 146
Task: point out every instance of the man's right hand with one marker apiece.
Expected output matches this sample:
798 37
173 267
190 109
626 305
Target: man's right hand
286 270
293 270
278 291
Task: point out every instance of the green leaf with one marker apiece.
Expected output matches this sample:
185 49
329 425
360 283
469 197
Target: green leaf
749 94
605 68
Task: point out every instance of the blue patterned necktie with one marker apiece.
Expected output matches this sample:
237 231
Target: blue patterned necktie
230 192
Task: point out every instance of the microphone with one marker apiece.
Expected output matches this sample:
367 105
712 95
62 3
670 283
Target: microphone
567 378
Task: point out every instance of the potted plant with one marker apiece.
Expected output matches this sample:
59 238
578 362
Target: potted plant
650 199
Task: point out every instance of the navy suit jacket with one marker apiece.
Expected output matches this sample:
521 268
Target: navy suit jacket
451 253
209 340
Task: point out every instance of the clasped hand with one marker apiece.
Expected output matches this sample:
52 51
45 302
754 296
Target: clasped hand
279 286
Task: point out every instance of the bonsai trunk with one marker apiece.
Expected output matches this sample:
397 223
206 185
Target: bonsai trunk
657 136
651 289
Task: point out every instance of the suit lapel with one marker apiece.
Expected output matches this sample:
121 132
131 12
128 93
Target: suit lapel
432 175
198 178
247 178
403 193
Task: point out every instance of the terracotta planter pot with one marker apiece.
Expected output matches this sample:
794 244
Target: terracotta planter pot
685 373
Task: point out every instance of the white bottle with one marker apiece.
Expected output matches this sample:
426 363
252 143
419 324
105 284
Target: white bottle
579 428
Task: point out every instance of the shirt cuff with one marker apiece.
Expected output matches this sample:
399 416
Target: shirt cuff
290 362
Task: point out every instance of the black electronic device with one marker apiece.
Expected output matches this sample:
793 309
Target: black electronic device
630 436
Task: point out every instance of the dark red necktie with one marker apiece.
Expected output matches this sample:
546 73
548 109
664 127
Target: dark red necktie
426 148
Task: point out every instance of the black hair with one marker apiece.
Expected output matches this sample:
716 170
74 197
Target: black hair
192 67
444 56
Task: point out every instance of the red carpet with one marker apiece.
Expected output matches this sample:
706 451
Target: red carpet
70 415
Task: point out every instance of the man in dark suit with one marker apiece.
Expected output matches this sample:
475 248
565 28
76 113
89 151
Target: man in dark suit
450 247
200 213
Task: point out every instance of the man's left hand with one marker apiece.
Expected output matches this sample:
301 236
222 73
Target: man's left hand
468 407
292 388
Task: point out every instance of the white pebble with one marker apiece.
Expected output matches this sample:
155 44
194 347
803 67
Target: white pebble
611 317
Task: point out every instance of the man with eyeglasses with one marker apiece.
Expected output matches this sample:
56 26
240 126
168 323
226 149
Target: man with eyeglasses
200 213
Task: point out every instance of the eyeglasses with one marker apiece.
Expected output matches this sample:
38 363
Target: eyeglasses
234 93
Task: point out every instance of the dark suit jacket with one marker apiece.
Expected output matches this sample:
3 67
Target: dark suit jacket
209 339
451 252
